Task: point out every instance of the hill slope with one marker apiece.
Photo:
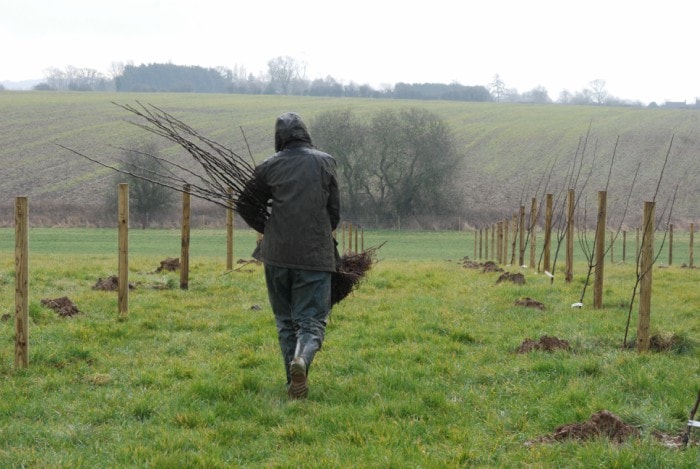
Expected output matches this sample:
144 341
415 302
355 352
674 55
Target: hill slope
512 152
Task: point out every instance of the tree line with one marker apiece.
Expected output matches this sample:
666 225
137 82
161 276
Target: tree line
287 76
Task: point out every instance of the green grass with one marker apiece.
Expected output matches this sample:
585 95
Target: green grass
419 368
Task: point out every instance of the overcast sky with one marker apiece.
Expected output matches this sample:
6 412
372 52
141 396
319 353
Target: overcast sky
644 50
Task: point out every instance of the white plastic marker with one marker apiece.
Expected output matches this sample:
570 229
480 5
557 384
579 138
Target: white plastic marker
577 305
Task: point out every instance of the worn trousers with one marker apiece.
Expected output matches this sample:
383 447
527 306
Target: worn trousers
301 302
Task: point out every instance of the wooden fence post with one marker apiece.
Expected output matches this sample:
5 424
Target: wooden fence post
123 278
533 232
514 246
21 283
229 231
547 231
521 228
486 244
185 239
670 245
476 239
506 229
493 243
690 250
342 238
499 256
569 274
646 269
481 243
600 251
350 238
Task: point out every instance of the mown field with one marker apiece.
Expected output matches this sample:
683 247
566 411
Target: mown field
420 367
507 149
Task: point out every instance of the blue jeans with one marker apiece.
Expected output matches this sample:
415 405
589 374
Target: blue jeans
301 302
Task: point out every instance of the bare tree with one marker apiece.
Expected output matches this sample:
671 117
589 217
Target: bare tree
148 198
498 88
598 90
283 72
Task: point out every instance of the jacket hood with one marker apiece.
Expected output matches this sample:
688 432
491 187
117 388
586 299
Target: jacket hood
290 128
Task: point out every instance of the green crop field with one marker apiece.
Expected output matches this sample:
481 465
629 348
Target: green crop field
420 367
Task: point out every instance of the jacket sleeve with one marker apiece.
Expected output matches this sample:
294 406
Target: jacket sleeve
253 202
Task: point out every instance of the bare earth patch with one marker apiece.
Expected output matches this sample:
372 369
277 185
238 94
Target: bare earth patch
110 283
529 303
169 265
603 424
63 306
546 343
516 278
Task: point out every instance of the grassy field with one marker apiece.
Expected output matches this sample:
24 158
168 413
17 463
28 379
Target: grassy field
419 368
507 148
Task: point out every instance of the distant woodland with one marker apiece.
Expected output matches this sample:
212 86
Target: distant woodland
287 76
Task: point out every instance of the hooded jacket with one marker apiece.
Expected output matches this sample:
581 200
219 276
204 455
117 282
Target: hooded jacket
300 186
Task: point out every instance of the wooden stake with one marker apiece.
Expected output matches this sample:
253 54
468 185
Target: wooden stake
185 239
646 269
521 230
21 283
600 251
569 274
533 232
229 231
123 278
692 236
670 245
547 232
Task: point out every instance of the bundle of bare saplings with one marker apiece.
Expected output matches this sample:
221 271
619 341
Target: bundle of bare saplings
223 178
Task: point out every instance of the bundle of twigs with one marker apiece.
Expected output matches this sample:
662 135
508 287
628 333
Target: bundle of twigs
225 174
351 270
228 180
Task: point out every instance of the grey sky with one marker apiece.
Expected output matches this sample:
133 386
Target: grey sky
642 49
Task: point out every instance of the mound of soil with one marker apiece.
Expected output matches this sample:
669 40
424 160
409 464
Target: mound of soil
170 265
110 283
546 343
63 306
664 342
491 266
517 278
485 267
529 303
603 424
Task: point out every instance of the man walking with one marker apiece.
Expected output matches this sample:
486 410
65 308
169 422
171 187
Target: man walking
299 184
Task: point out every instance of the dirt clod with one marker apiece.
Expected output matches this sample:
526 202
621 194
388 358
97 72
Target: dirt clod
63 306
603 424
529 303
169 265
110 283
516 278
546 343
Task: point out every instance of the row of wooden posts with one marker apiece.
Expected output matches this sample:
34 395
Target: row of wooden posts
499 240
354 235
499 233
355 243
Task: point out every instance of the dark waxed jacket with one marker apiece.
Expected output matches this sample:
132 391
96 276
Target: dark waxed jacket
300 184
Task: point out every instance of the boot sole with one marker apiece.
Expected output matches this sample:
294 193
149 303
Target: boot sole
298 389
